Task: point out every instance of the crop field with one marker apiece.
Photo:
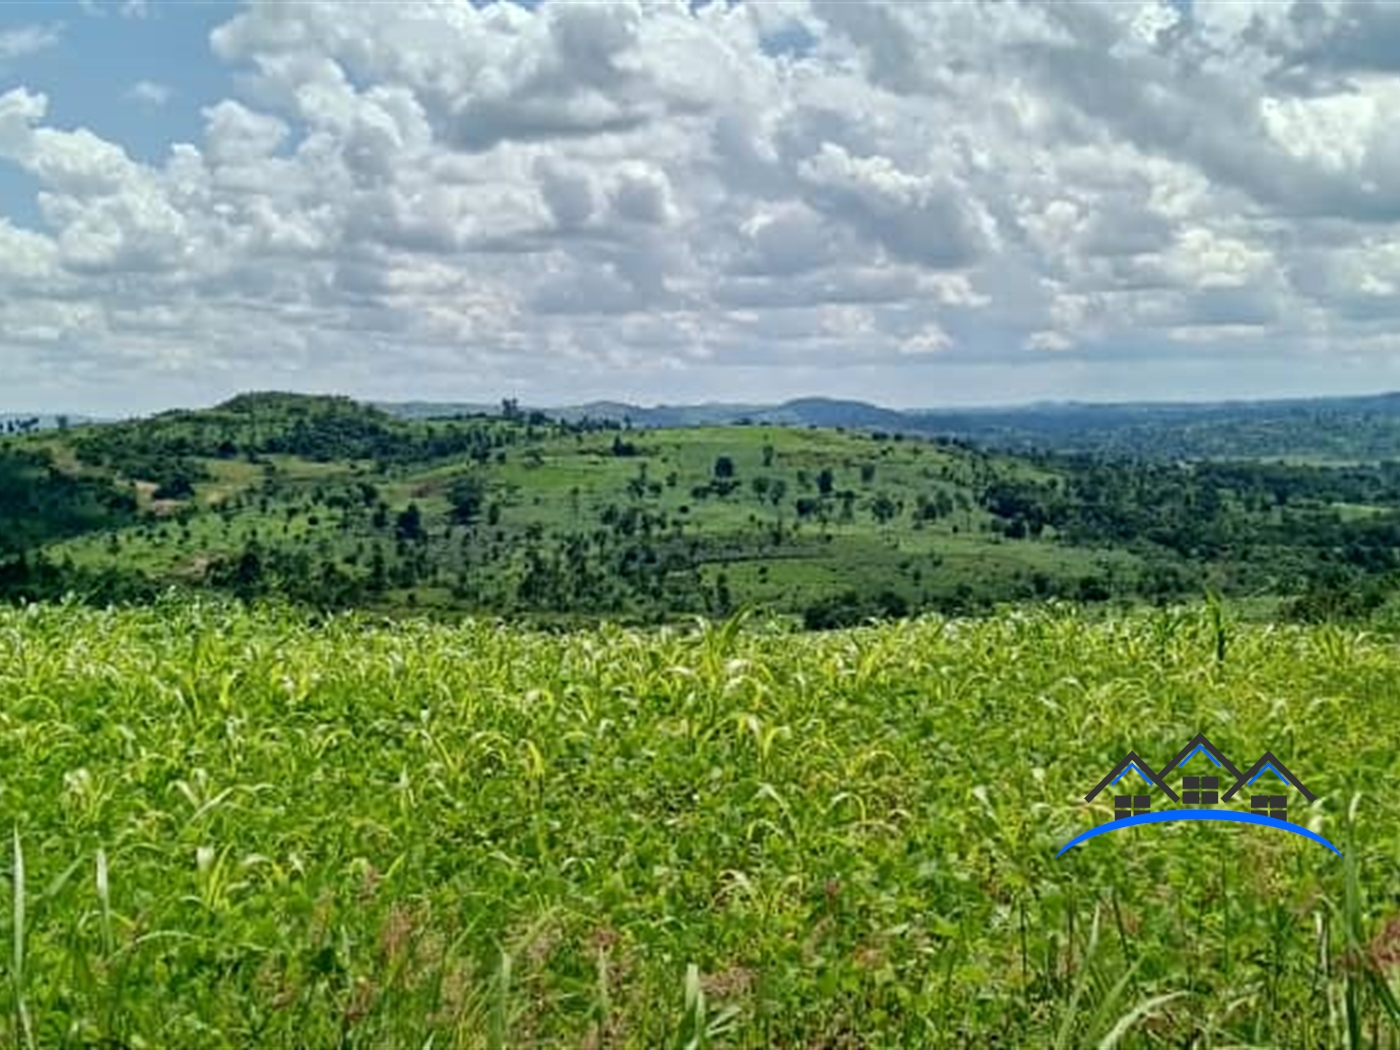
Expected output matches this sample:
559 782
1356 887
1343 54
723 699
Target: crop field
229 827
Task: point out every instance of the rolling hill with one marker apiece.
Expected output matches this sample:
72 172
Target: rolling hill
1339 430
334 503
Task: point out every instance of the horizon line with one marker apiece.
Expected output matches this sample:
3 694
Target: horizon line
777 402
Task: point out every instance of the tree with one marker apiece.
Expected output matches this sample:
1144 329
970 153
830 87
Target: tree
378 574
724 467
467 494
883 508
245 576
825 481
723 602
409 524
177 486
850 608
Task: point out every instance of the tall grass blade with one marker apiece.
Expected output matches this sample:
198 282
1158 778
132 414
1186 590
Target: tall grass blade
17 962
1133 1016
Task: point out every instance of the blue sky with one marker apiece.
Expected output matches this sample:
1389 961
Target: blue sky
99 59
917 204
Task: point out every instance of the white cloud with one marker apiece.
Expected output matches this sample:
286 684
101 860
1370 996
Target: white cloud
124 8
931 339
624 192
28 40
150 93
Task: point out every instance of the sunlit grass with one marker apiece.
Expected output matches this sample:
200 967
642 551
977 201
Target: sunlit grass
234 828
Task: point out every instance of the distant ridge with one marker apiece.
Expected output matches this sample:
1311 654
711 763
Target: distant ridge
1365 427
829 411
806 411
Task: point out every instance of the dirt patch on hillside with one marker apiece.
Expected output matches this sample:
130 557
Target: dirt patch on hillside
196 567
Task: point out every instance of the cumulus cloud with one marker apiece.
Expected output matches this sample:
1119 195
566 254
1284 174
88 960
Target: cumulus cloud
642 195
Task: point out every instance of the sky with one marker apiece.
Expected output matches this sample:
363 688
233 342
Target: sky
918 204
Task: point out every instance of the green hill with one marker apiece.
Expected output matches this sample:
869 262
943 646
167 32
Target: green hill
335 503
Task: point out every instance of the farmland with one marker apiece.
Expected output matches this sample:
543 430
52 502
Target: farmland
335 505
234 826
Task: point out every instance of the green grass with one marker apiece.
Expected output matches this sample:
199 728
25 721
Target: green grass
533 489
561 508
236 828
1359 511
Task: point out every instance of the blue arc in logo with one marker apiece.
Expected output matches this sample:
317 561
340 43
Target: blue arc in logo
1198 814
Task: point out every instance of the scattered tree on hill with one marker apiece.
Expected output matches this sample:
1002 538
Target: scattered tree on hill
777 491
883 508
850 608
409 524
467 494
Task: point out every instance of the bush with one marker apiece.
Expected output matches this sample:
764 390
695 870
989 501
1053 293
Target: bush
849 608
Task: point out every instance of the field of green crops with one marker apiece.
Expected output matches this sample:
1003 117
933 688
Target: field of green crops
233 828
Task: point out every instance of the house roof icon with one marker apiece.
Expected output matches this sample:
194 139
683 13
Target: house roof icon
1266 762
1199 743
1132 761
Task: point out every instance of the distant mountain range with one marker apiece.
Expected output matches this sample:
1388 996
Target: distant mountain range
1360 428
1338 428
807 411
830 412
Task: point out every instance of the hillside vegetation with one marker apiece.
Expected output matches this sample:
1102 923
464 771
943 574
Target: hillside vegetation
233 828
334 504
1322 429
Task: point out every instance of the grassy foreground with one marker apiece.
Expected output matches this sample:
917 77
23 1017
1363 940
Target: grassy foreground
232 828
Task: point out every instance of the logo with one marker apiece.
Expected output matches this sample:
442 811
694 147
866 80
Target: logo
1201 793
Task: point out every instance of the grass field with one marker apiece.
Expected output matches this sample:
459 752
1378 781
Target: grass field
334 505
561 486
235 828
